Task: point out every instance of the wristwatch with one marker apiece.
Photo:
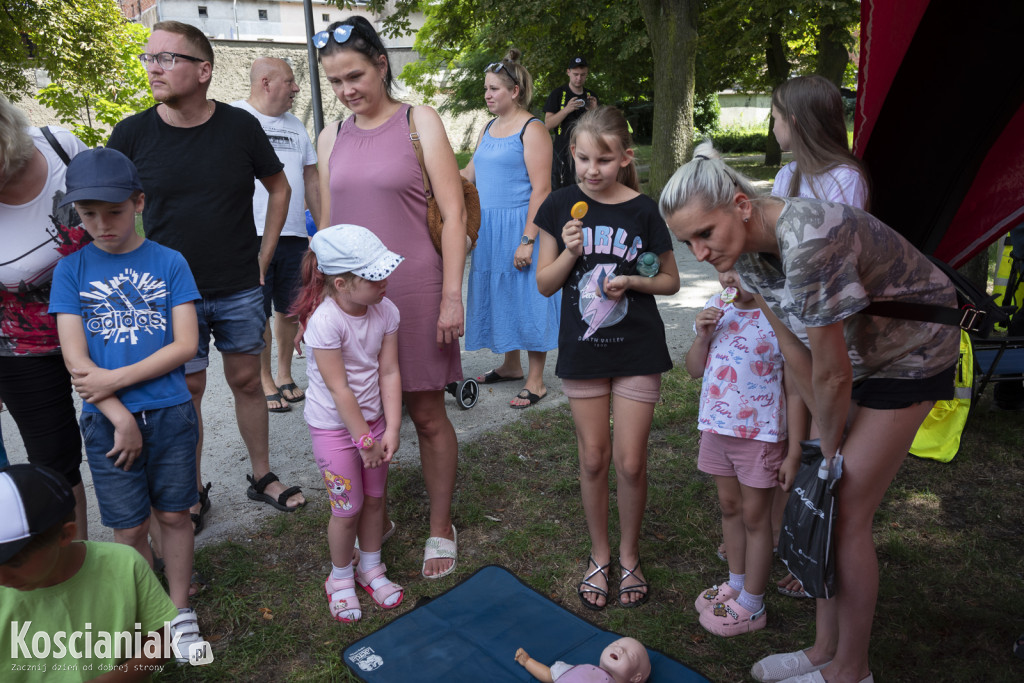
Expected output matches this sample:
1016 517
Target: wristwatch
526 240
365 442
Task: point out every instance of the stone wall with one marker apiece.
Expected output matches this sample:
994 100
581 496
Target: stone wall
231 82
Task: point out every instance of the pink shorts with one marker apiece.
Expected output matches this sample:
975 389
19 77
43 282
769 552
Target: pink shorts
642 388
754 463
342 469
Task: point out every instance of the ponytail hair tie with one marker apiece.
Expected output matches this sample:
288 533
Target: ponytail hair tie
701 157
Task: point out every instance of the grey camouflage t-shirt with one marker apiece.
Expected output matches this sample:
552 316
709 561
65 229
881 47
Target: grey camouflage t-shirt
835 260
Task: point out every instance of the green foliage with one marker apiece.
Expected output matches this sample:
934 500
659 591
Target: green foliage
737 40
706 113
89 51
736 140
461 37
111 101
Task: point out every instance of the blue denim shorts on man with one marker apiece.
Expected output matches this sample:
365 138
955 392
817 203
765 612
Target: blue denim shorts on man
163 476
236 322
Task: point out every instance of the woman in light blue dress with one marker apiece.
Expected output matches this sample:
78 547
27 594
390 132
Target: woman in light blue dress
512 171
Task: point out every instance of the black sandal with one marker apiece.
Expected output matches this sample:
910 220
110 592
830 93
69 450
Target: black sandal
198 519
642 588
197 584
256 492
587 587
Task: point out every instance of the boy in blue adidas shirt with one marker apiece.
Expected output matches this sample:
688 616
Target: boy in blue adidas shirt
127 324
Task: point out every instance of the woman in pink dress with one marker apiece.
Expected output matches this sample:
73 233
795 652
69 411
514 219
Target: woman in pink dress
369 176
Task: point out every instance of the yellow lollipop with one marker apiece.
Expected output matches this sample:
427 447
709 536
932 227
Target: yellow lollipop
579 210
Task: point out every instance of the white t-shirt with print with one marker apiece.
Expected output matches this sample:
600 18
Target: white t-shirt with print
742 394
290 140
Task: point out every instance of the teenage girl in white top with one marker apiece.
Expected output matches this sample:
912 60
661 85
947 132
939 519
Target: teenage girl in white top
810 123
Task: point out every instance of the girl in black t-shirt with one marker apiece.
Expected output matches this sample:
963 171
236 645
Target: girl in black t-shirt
608 264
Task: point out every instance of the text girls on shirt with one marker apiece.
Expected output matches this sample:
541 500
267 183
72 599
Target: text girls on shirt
601 337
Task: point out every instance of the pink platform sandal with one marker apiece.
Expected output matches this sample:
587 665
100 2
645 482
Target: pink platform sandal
339 605
381 594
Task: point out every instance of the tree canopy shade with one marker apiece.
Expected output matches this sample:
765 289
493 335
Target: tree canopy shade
755 46
461 37
669 53
88 50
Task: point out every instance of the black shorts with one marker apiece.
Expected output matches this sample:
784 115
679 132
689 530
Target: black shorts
284 275
884 393
37 390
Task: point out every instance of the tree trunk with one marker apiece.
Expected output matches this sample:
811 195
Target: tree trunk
832 53
671 26
772 150
778 71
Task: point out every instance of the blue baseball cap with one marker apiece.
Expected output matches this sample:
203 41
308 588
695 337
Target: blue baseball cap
101 174
33 499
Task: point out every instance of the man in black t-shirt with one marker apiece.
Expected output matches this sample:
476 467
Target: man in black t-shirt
198 161
564 106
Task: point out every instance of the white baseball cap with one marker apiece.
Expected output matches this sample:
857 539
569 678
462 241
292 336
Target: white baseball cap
33 498
353 249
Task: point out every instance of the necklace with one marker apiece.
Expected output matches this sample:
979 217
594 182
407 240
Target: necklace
169 109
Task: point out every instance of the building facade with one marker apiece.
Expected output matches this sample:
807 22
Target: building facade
277 21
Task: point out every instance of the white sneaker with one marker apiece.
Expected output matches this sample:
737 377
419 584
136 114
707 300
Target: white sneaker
185 625
775 668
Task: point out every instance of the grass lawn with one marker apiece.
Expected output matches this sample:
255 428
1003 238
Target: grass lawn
948 536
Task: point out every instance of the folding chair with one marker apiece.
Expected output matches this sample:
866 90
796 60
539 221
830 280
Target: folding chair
997 359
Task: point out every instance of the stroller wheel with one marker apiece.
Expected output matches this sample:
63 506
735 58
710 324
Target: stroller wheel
466 393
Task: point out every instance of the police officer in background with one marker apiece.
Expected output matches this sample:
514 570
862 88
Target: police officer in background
564 106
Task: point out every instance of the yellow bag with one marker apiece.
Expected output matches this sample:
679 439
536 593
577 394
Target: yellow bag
939 435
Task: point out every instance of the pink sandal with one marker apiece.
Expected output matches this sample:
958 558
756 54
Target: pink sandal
729 618
338 604
380 595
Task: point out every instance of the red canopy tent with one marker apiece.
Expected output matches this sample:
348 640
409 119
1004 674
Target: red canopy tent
940 120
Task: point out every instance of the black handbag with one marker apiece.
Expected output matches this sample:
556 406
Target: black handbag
807 541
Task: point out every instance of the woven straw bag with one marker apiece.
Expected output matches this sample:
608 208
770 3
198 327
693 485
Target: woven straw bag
434 221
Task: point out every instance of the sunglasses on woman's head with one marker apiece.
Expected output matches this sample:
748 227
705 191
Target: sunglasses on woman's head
341 35
498 66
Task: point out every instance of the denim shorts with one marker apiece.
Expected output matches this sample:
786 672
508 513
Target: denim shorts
163 476
284 275
236 322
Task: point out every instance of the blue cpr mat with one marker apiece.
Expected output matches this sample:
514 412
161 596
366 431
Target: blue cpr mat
471 633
